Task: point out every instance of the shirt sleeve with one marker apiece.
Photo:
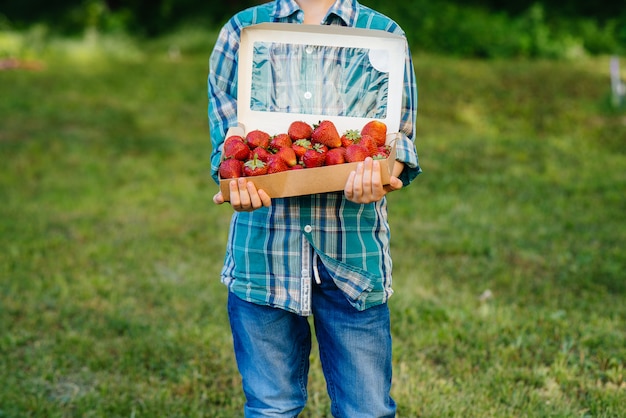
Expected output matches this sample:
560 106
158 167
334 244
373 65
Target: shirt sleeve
222 91
405 145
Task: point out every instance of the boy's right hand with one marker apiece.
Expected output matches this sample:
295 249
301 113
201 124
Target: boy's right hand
244 196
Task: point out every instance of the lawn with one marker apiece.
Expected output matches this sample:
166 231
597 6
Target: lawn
509 250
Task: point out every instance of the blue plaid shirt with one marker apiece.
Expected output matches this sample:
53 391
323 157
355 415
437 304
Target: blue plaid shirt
272 253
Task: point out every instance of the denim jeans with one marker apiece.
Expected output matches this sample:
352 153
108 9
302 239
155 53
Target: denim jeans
272 348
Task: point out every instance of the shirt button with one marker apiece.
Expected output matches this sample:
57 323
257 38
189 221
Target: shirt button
308 95
308 229
309 49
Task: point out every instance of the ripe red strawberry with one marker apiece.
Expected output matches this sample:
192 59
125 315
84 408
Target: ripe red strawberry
299 130
350 137
231 168
383 152
370 143
377 130
235 147
300 146
288 155
280 141
314 157
276 164
335 156
320 147
258 138
254 167
262 154
356 152
297 167
326 133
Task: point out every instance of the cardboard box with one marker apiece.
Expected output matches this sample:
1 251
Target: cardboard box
380 50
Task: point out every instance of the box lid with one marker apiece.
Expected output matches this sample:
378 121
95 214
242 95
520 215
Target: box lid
349 75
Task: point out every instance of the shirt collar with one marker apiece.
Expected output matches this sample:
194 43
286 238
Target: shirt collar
343 9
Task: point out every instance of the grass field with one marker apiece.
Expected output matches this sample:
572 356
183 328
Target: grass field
510 248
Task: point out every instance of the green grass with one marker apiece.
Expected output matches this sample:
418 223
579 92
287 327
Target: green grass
110 246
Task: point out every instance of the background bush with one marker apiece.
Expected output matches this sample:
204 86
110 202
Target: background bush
538 30
476 28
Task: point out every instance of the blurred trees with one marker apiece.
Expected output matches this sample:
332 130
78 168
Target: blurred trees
529 28
144 17
482 28
598 9
157 16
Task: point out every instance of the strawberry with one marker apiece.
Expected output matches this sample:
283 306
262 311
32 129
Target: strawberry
257 138
356 152
335 156
350 137
377 130
288 155
254 167
370 143
297 167
314 157
231 168
280 141
262 154
299 130
235 147
383 152
320 147
326 133
276 164
300 146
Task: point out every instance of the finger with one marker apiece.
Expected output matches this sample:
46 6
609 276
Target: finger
376 182
234 193
348 190
255 200
266 200
244 195
367 176
372 182
394 184
357 184
218 198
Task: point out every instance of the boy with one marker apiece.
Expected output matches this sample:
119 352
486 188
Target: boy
325 255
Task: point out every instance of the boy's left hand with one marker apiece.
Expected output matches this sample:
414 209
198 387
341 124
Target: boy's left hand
364 185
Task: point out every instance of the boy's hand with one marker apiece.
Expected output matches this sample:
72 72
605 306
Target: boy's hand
244 197
364 185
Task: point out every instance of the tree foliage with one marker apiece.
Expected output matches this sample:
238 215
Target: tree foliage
485 28
145 17
481 28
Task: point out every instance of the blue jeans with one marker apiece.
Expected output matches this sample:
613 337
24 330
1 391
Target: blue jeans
272 348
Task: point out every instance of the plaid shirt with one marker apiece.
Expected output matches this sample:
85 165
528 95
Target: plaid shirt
272 253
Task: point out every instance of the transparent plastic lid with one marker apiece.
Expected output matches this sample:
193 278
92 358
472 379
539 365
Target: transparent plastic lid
303 72
317 79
